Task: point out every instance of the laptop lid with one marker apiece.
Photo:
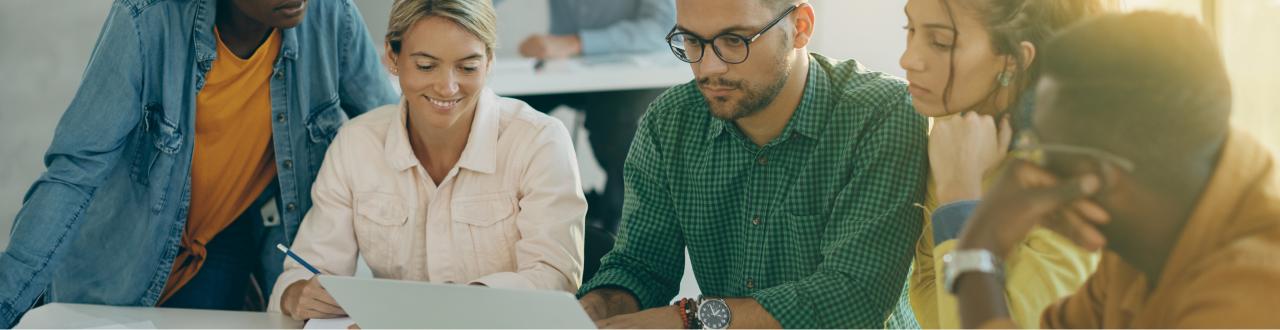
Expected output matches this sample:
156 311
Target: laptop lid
382 303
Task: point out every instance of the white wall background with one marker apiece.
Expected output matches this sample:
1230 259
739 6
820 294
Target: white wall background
47 43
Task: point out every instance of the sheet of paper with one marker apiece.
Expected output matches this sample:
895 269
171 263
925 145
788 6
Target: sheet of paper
133 325
338 323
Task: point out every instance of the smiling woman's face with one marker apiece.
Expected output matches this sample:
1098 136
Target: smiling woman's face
442 69
932 42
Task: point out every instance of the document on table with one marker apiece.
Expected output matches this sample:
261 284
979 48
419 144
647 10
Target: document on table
338 323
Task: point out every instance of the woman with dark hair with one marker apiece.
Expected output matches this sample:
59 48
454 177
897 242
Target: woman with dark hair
970 64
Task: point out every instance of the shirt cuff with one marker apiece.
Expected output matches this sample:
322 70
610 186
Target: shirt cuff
950 219
780 301
620 279
8 317
504 280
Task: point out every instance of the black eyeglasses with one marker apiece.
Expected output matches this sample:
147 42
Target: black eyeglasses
729 47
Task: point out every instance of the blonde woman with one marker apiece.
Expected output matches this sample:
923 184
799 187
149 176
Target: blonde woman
452 185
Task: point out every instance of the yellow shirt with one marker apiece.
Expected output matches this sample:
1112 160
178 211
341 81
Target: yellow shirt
1039 272
1224 271
233 159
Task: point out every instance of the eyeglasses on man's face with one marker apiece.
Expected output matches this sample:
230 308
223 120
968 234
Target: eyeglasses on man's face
1068 160
729 47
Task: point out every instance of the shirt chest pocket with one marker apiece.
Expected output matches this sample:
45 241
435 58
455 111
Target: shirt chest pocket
485 229
380 224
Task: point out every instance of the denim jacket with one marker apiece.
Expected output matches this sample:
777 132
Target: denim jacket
103 224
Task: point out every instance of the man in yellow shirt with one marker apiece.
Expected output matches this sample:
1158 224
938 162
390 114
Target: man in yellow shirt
1134 152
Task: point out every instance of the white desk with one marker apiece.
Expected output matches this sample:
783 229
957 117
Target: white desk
517 77
58 315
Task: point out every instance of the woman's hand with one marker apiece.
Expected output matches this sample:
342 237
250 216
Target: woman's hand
305 300
962 149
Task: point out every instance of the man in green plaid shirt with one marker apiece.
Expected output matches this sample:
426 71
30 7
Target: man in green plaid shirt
791 178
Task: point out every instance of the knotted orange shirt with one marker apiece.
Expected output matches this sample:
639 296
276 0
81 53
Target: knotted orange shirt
233 159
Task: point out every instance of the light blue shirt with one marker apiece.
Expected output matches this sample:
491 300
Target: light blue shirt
614 26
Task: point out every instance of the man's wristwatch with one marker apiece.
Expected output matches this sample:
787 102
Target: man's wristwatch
960 262
713 313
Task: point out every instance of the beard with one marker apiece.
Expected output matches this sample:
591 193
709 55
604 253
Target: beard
754 98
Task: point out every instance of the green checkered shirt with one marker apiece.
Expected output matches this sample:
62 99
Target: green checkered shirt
818 225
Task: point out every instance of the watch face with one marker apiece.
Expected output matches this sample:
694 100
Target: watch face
714 314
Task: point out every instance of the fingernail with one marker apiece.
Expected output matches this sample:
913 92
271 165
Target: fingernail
1089 184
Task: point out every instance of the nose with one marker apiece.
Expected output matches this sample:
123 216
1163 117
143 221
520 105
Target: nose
711 64
448 86
910 61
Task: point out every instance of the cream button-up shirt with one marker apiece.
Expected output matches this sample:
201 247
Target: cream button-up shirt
509 214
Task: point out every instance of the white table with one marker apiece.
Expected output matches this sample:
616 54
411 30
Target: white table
59 315
517 76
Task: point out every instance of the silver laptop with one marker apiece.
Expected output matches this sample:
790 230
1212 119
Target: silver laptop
382 304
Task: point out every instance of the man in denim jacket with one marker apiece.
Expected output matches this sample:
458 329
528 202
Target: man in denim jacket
107 220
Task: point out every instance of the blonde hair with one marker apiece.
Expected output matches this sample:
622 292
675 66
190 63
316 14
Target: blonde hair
475 16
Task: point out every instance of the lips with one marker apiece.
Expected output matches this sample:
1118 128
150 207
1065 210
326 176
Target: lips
918 90
291 8
444 105
716 91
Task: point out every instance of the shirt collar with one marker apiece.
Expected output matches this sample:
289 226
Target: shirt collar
206 43
1234 203
480 153
809 117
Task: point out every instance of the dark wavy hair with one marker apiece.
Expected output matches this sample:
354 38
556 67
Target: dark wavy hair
1011 22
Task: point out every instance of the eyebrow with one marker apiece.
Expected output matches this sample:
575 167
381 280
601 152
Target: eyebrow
936 26
940 26
732 29
473 56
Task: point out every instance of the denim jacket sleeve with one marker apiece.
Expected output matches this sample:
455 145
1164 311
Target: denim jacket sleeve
643 32
86 145
949 219
364 83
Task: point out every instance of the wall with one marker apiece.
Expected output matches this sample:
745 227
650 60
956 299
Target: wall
47 44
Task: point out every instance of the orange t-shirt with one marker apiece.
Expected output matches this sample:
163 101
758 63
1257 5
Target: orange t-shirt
233 159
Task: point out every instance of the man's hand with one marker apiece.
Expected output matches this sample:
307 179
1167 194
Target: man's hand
305 300
551 47
603 303
1027 196
654 318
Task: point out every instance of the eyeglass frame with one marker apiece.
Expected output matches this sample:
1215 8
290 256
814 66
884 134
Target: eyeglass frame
746 41
1028 148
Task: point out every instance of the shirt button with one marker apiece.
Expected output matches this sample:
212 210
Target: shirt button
763 160
280 117
751 283
288 164
290 207
755 220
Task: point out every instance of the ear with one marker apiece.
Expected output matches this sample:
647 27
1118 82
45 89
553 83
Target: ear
804 23
1028 51
389 58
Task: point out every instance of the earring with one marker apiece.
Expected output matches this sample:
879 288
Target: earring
1004 78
